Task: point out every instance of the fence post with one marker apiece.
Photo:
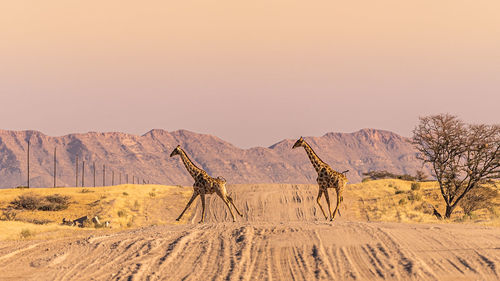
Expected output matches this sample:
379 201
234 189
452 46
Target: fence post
28 163
83 173
55 168
76 170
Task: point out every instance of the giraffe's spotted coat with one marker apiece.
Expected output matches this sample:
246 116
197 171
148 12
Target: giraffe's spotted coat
327 178
204 184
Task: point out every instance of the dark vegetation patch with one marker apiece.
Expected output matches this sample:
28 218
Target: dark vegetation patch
375 175
33 202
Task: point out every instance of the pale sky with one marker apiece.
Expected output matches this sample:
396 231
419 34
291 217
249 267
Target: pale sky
251 72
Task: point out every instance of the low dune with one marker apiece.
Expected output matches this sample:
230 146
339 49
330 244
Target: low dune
281 236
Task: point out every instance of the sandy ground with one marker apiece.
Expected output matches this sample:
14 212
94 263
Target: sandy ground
281 236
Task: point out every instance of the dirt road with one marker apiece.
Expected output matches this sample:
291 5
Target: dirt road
280 237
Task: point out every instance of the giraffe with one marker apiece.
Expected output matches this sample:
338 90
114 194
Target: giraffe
327 178
204 184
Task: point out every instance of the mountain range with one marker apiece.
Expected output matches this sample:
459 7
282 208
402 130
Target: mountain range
146 158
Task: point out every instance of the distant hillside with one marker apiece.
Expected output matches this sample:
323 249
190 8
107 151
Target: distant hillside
147 157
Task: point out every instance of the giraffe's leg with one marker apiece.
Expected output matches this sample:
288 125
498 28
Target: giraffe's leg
202 195
195 194
224 198
320 192
226 201
327 197
338 204
341 200
232 203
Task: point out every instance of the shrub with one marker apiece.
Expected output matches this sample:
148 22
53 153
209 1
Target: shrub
478 198
415 186
375 175
27 202
399 191
121 213
152 194
402 201
26 233
33 202
58 199
125 193
8 215
86 190
38 221
426 208
55 202
420 176
413 196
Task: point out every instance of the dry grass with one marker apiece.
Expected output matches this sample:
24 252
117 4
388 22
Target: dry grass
404 201
124 206
127 206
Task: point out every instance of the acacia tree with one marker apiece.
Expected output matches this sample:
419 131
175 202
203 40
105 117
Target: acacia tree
462 156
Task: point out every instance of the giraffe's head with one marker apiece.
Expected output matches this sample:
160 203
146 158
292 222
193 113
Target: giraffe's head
300 142
176 151
221 180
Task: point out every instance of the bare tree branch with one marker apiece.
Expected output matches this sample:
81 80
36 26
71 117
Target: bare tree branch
461 155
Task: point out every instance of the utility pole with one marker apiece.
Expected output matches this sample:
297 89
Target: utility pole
76 169
94 172
55 149
83 173
126 178
120 178
103 175
28 163
112 177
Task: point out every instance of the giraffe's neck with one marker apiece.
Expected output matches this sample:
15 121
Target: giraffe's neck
316 162
190 166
